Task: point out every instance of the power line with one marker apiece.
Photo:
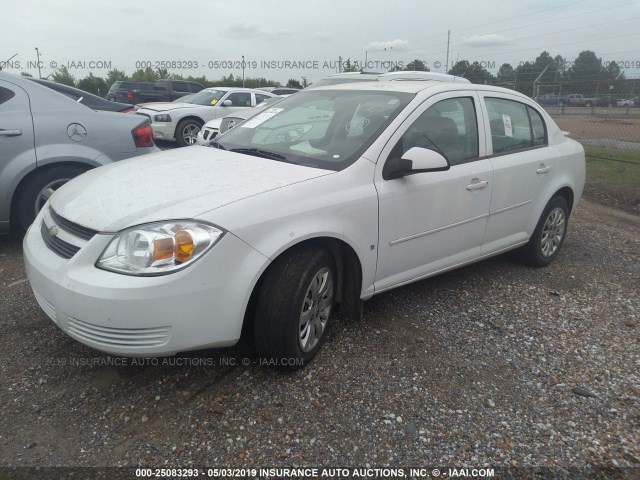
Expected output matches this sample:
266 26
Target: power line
559 44
533 24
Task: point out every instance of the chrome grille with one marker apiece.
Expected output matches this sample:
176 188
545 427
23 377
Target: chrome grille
119 337
73 228
57 245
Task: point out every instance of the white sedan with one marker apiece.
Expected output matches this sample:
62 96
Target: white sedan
329 197
181 122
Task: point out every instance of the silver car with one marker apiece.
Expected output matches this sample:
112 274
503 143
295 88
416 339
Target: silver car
46 139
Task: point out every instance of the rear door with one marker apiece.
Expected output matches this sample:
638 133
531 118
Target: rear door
17 151
523 163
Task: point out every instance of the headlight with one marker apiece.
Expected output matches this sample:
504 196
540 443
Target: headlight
164 117
158 248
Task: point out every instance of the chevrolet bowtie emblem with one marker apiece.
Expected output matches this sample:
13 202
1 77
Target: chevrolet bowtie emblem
53 231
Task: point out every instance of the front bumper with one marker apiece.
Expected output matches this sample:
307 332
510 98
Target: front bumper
206 134
201 306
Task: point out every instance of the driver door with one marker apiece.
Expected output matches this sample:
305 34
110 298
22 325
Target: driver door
433 221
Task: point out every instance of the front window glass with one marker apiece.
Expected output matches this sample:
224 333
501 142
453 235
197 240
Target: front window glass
448 127
206 97
325 129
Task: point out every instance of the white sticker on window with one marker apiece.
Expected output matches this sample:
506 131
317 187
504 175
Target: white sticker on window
261 118
508 129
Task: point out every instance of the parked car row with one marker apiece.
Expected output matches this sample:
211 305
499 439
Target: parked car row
47 137
181 122
579 100
318 202
165 90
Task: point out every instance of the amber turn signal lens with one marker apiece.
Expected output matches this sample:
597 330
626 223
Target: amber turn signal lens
162 249
184 246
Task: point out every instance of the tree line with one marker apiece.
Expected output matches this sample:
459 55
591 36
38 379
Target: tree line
587 74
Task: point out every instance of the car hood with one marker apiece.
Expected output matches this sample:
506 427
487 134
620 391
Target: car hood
177 184
167 106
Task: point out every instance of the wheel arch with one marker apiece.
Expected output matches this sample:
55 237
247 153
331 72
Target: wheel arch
188 117
567 193
348 272
37 171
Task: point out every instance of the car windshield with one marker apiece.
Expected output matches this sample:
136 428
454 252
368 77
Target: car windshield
326 129
206 97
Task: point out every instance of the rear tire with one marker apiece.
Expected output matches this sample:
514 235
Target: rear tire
187 132
294 307
38 189
548 237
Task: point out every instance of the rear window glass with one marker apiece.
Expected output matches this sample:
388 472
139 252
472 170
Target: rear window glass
510 126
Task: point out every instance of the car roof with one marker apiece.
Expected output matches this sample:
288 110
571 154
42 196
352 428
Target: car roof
236 89
416 86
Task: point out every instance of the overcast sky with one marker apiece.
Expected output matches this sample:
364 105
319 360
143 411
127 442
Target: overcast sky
121 34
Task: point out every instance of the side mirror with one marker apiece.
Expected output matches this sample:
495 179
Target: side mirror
425 160
227 103
415 160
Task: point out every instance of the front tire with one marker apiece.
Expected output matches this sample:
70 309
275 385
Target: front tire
548 237
294 307
187 132
38 189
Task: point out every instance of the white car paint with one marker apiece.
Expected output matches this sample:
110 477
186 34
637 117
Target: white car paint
209 131
401 230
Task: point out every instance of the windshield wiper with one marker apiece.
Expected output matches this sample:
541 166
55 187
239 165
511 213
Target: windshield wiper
215 144
262 153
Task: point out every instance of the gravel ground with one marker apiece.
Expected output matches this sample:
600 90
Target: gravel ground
495 364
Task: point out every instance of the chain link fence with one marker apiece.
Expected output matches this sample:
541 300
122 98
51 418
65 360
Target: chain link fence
597 112
607 123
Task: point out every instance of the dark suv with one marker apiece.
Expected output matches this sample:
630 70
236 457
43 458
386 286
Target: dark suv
159 91
127 85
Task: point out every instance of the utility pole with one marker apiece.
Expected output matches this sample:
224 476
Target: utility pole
446 67
242 71
38 55
533 94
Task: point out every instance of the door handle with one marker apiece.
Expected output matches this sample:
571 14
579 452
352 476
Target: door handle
10 133
543 169
477 185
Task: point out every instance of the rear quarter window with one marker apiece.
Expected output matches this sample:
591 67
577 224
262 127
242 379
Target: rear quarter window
5 96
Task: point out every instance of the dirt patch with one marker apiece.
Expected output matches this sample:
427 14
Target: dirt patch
595 127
